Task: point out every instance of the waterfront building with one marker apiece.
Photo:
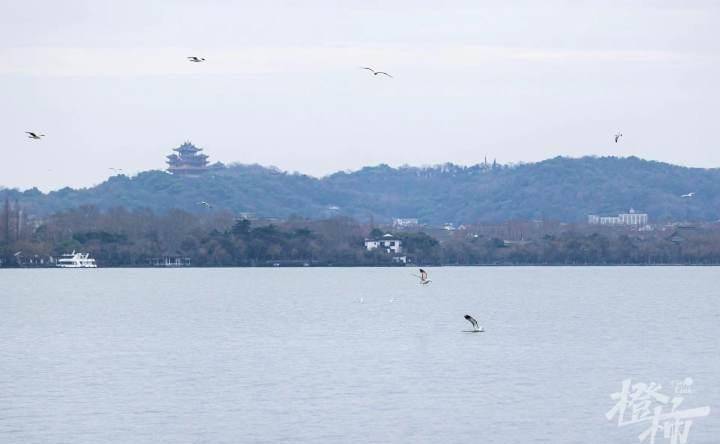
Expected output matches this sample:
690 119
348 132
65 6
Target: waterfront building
170 261
389 243
632 217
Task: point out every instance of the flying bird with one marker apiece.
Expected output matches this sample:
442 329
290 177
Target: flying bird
688 195
617 137
476 327
196 59
375 73
205 204
424 277
32 135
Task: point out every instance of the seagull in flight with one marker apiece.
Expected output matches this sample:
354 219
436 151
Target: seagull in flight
375 73
424 277
476 327
196 59
618 136
115 169
32 135
205 204
688 195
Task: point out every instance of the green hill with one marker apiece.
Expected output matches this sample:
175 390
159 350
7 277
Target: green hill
561 189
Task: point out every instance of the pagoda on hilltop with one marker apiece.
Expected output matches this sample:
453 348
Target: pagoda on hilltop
188 160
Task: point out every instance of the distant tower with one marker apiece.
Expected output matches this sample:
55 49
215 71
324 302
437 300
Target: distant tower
189 161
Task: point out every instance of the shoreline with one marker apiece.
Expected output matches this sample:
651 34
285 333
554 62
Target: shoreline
374 266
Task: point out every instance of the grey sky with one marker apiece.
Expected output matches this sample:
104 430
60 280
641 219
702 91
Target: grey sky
109 84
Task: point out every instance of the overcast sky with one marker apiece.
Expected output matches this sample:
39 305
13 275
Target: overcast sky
109 83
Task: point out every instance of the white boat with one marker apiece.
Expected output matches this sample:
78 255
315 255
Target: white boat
76 260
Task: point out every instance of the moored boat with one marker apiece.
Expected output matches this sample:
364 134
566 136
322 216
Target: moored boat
76 260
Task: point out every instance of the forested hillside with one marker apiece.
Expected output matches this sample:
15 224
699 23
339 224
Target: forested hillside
560 189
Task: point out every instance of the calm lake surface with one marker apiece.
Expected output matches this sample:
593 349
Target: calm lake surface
342 355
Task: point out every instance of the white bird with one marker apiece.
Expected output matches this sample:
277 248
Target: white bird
476 327
18 253
617 137
115 169
424 277
32 135
205 204
196 59
688 195
375 73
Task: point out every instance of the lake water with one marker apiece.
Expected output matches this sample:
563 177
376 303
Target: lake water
341 355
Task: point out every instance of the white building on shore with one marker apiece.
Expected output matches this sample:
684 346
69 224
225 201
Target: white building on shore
632 217
388 242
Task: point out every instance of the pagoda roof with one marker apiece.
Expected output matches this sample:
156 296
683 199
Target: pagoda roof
187 147
187 159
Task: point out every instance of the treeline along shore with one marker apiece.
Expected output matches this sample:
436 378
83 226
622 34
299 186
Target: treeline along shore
119 237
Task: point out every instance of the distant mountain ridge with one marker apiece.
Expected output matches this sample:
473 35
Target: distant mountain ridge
565 189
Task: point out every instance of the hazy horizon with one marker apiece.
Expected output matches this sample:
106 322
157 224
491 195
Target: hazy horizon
110 85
